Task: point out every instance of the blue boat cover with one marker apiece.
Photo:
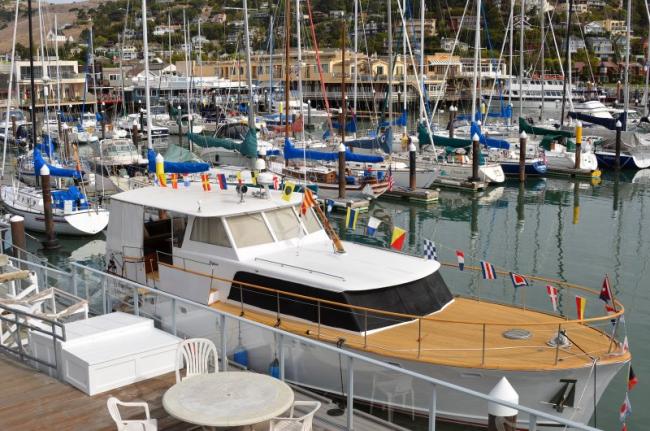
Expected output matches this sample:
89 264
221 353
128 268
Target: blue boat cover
176 167
291 152
39 162
608 123
79 201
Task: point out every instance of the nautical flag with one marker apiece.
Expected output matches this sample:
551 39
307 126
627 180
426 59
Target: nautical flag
611 310
580 307
631 379
625 347
398 237
205 182
351 218
391 180
186 180
222 181
155 181
288 190
308 201
518 280
254 178
461 259
276 183
624 427
373 224
329 204
488 271
626 409
174 181
552 293
430 251
606 290
239 178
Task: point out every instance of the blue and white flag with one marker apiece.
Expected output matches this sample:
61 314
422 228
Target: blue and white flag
430 251
373 224
329 204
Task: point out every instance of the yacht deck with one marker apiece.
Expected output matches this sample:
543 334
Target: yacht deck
455 343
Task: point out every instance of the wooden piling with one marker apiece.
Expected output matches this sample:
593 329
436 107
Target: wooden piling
412 166
50 242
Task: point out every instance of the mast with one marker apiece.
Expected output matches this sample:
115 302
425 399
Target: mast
422 12
512 36
147 97
249 73
44 69
287 65
11 82
567 65
390 69
270 107
356 58
477 50
404 74
647 66
58 69
92 65
121 42
169 40
543 71
32 86
522 31
186 36
344 105
299 73
627 62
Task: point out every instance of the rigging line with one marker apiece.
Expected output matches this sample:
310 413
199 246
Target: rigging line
498 68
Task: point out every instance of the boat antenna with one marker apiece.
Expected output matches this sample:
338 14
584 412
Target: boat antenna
9 93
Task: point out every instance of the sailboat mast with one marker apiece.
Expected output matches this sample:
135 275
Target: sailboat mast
511 43
356 57
287 65
344 105
647 66
299 73
270 107
477 51
249 70
145 48
404 74
58 69
627 62
422 12
390 67
10 90
186 36
522 31
32 85
567 65
543 68
92 65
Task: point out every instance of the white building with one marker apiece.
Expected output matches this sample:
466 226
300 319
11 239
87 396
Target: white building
129 53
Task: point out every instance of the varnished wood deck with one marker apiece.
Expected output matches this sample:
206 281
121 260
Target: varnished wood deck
30 400
460 344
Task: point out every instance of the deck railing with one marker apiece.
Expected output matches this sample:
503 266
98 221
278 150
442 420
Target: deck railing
106 293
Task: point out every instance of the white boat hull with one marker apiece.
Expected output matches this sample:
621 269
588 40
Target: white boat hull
564 160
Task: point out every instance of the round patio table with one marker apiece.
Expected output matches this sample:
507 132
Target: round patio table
228 399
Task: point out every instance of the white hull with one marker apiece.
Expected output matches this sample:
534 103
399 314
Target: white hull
563 160
76 223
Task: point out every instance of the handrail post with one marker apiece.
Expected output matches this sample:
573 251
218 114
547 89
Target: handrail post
532 422
318 312
241 299
104 297
277 309
365 329
136 301
433 409
281 354
419 336
19 340
174 316
57 362
557 343
75 286
483 347
224 342
350 408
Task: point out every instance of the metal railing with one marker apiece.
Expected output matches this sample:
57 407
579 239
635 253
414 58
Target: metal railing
106 292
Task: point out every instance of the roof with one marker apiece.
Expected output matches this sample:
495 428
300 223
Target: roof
196 202
360 268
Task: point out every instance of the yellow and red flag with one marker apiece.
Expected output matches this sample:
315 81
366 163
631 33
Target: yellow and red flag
308 201
174 181
205 182
397 239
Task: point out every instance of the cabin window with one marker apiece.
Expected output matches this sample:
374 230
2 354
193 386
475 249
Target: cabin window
311 222
284 223
210 231
249 229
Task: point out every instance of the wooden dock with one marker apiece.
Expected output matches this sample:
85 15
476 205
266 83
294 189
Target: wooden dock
31 400
588 174
455 184
424 196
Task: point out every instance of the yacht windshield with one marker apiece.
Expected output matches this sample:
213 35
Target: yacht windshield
284 222
249 229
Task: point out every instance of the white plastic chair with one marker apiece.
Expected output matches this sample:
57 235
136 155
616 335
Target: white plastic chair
293 423
195 354
147 424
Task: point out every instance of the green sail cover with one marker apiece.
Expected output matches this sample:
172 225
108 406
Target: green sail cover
534 130
247 148
175 153
441 141
547 140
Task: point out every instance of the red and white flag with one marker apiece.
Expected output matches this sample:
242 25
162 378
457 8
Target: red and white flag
626 409
461 259
625 346
552 293
606 290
